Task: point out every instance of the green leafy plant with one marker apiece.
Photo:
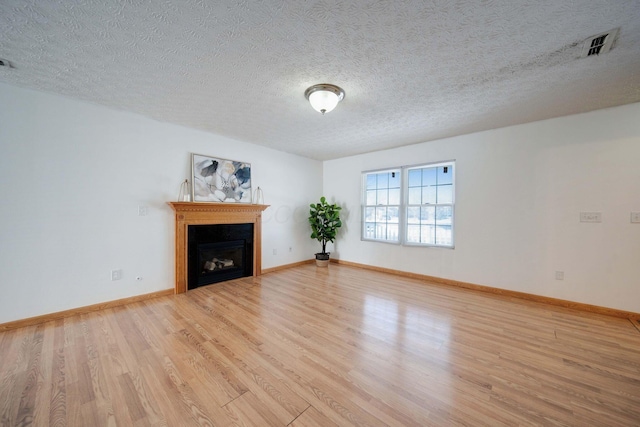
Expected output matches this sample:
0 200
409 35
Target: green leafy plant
324 219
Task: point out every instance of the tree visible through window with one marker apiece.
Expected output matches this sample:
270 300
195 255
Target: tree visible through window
412 205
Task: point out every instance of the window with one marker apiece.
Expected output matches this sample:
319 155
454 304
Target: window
411 205
382 206
430 205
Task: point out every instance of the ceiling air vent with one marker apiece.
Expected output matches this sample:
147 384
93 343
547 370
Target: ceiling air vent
600 43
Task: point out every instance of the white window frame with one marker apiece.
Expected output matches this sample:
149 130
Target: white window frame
365 230
446 204
404 207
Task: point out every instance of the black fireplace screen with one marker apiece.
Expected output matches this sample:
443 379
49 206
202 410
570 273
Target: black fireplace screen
219 252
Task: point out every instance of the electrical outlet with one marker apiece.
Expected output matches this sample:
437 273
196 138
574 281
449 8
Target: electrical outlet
635 217
590 216
116 275
142 210
559 275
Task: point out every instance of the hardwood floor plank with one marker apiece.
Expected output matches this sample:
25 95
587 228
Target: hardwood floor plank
190 403
8 343
248 410
44 377
166 397
341 405
323 347
131 397
31 375
232 385
285 403
206 377
58 395
312 418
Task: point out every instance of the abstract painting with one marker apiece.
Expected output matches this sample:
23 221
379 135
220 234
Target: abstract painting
220 180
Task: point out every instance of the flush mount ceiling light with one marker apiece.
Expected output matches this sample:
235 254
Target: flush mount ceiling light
324 97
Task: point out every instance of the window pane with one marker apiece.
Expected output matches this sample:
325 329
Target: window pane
383 197
415 196
443 215
392 215
392 231
413 215
394 179
427 234
369 230
394 196
371 181
445 177
413 233
415 178
383 180
445 193
429 176
443 235
371 197
427 215
429 195
381 231
370 214
381 214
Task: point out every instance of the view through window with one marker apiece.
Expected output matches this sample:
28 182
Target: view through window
410 205
382 206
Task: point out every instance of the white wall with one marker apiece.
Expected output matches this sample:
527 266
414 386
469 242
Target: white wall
72 176
519 193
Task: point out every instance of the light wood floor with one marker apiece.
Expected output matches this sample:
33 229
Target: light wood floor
324 347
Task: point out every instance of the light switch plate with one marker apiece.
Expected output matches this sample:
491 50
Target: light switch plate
116 275
635 217
590 216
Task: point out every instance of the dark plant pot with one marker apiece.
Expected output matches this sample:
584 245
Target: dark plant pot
322 257
322 260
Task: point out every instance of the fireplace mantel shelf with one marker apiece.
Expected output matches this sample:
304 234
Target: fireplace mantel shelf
216 207
197 213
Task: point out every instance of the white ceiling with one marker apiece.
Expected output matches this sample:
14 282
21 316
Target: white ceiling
412 71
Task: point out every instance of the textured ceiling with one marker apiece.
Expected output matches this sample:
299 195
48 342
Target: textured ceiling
412 71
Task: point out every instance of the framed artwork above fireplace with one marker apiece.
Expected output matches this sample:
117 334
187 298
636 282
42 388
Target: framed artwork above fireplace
220 180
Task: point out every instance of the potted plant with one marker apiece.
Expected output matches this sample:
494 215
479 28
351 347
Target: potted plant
324 219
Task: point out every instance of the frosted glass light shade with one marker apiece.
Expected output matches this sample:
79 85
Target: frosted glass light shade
324 97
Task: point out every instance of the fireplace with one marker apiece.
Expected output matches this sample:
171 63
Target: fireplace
219 252
194 214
